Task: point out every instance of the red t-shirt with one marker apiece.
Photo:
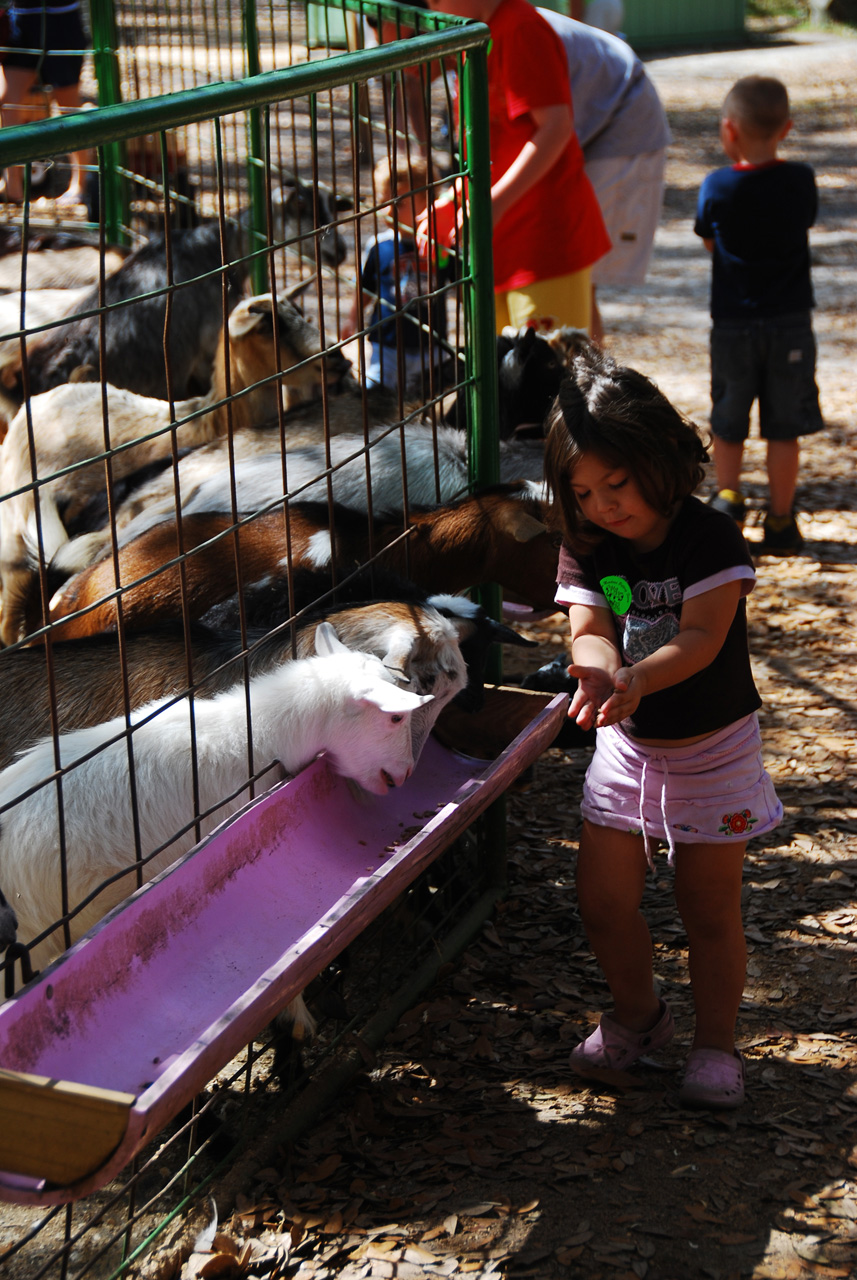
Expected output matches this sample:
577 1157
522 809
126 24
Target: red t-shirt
556 227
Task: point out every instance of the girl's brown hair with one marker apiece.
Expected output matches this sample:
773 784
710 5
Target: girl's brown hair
619 415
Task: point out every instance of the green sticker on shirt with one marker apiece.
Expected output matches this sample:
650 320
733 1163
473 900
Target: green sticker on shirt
617 593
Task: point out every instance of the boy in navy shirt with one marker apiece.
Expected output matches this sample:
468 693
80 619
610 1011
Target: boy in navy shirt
754 216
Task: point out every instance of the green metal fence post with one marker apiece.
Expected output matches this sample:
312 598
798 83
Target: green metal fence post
483 390
105 46
481 349
255 152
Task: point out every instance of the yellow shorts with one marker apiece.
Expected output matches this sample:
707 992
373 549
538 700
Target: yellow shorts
548 304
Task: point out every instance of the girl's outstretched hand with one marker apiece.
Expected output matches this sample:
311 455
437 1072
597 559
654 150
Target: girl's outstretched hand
602 699
594 686
624 699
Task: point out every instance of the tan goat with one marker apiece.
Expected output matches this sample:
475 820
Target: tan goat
74 425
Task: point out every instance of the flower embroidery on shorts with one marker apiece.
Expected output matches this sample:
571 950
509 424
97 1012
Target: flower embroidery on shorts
735 824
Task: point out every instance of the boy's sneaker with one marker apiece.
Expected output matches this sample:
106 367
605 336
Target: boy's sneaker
781 536
731 503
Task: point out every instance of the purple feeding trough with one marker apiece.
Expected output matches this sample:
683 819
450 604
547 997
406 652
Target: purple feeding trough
105 1046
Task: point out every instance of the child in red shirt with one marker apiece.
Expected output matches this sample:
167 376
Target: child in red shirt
548 229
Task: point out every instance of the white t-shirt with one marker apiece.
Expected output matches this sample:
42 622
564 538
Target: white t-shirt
617 111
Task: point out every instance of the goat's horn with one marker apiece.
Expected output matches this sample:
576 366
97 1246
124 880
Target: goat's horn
300 286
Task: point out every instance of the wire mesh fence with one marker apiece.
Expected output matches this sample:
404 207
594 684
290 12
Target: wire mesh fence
186 387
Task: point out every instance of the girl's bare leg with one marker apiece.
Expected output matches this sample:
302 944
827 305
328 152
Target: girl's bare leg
708 896
611 874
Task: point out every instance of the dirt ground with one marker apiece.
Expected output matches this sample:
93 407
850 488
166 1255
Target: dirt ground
469 1146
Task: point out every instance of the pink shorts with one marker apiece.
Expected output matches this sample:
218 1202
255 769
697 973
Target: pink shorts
712 792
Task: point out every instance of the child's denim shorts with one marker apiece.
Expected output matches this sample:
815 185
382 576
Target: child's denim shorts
715 791
771 360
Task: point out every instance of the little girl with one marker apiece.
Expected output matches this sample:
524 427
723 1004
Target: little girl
655 582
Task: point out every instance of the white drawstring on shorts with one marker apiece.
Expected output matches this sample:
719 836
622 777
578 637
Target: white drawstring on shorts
667 831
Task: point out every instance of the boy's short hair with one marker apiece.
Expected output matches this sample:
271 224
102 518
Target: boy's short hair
411 174
760 104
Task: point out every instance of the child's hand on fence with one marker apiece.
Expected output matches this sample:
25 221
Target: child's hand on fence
436 227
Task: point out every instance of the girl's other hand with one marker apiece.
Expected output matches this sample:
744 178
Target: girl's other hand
628 689
594 687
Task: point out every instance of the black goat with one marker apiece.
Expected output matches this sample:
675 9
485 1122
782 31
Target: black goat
293 209
529 371
134 326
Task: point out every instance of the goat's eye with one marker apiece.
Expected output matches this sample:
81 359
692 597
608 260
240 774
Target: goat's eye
396 719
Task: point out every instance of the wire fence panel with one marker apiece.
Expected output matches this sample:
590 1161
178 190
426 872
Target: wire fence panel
184 394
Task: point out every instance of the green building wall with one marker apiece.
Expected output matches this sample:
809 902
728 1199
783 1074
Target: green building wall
682 22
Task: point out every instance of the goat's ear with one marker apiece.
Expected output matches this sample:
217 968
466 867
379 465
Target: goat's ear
283 195
390 698
327 642
10 375
296 289
499 633
249 315
397 659
520 525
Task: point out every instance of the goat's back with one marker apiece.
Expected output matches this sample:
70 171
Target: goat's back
134 334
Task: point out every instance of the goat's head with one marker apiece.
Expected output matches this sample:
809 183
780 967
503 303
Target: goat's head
294 206
418 646
526 548
530 371
373 746
477 632
296 350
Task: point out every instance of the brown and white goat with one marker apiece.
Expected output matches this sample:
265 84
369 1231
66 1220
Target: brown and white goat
73 425
498 535
86 678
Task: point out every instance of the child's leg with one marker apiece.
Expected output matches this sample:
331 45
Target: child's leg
67 98
728 461
611 875
20 103
734 387
708 894
783 465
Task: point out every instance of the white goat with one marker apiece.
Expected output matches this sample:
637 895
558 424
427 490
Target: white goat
68 426
341 702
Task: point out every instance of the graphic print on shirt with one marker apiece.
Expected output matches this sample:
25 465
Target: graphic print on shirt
651 617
